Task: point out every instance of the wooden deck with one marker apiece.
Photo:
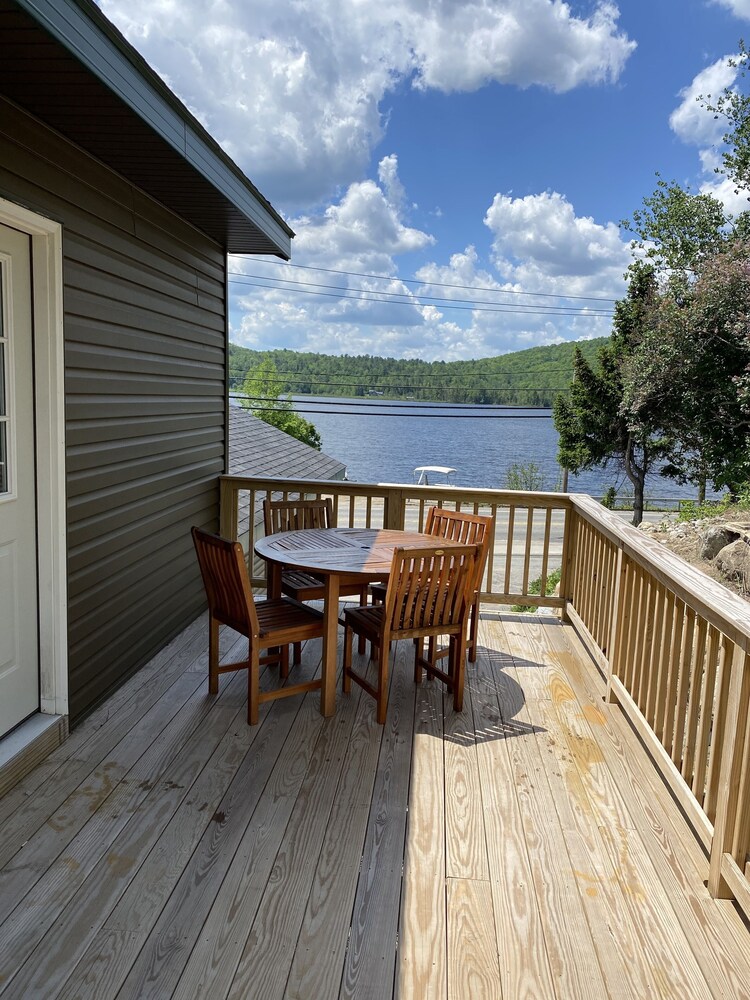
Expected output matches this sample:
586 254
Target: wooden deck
523 849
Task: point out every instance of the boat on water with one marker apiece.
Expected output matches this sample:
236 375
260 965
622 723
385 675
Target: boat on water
434 475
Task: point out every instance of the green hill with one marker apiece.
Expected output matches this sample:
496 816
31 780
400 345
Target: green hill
524 378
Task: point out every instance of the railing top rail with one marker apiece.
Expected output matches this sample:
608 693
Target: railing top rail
517 498
714 602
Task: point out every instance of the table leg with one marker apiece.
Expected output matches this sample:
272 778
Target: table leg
330 645
273 580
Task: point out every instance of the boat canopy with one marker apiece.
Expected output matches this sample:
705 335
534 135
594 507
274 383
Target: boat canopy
422 473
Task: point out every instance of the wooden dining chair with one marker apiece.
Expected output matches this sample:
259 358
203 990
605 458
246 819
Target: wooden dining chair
428 594
295 515
470 529
268 625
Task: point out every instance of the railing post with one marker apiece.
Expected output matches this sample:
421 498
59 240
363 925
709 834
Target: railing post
567 572
733 752
228 509
618 615
395 510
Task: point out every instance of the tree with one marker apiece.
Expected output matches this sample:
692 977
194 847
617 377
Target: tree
733 107
526 476
677 230
691 366
595 423
263 398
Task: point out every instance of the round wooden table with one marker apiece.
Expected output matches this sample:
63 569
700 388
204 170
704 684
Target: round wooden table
336 555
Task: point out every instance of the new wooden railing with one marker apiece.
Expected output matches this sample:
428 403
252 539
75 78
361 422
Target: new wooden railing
673 644
528 540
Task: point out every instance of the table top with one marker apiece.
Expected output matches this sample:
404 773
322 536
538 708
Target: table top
365 551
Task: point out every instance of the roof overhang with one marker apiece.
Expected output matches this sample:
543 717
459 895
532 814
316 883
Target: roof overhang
65 63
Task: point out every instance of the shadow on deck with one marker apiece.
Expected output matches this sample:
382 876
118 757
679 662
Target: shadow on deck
522 848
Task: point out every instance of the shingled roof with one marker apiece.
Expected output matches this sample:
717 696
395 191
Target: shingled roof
258 449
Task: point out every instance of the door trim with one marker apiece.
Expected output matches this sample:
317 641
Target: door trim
49 382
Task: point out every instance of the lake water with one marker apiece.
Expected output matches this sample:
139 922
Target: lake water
383 441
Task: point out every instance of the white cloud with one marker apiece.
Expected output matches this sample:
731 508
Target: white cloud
694 124
690 120
522 42
293 91
462 308
540 244
740 8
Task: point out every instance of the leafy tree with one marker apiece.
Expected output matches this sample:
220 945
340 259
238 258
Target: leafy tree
596 424
261 387
526 476
676 229
733 107
691 367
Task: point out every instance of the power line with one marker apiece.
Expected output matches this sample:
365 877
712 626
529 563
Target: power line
436 284
413 304
402 299
416 416
325 405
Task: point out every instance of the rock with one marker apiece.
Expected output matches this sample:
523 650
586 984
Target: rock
734 562
716 537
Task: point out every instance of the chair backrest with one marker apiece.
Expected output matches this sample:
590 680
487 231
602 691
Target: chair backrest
224 572
428 587
471 529
294 515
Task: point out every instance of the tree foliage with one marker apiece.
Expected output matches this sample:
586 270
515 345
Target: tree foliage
732 107
261 389
676 229
597 424
692 366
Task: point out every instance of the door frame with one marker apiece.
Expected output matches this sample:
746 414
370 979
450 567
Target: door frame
49 395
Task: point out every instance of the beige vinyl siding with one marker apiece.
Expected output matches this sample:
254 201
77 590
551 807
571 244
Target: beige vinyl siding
144 305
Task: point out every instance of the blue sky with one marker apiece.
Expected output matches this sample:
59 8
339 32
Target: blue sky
474 153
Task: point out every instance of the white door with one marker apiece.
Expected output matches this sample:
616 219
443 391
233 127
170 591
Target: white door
19 645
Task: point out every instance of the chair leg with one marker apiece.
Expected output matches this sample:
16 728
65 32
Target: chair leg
253 687
346 679
361 643
382 702
213 656
457 669
297 654
473 631
418 650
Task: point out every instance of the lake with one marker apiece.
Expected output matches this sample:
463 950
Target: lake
384 440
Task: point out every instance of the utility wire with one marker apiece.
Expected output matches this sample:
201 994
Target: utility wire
363 404
434 284
416 416
414 304
424 299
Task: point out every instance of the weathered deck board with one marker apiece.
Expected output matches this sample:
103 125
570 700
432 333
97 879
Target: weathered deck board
523 848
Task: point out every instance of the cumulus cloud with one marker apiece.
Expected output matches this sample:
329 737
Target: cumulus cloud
740 8
541 245
690 121
294 91
697 126
542 255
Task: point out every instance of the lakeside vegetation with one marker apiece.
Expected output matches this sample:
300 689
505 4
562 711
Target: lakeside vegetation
533 377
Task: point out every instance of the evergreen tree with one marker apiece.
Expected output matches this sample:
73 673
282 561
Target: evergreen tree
595 423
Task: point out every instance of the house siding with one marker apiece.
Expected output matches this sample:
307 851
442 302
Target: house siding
145 363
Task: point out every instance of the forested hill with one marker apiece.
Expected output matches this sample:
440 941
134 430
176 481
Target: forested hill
524 378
